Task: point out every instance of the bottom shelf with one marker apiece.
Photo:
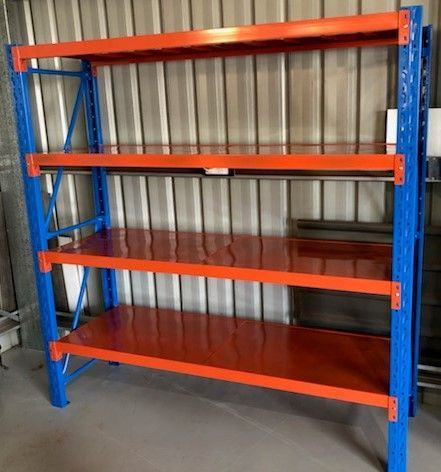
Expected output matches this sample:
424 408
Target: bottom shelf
328 364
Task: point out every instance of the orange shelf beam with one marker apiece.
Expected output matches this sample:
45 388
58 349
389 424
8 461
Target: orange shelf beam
294 359
330 265
313 162
350 31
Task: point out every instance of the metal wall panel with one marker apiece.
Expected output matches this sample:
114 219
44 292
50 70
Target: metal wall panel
7 295
241 110
311 97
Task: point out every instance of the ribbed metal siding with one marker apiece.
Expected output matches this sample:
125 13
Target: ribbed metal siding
7 295
330 96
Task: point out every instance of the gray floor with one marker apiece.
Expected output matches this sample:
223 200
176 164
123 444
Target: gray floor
138 420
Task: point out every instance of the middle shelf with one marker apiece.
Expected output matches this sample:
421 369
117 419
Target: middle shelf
332 265
366 159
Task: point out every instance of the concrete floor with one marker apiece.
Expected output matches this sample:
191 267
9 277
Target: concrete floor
138 420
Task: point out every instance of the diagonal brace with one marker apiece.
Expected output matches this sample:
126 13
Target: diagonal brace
74 117
47 219
67 148
76 316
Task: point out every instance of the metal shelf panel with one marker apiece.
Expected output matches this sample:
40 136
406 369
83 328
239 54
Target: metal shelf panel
301 360
334 265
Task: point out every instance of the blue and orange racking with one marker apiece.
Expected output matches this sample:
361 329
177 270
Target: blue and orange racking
314 362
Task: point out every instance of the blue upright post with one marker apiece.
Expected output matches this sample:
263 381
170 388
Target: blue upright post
38 231
404 234
426 55
99 176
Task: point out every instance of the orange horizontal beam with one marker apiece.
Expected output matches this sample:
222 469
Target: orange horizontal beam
391 27
336 162
258 380
326 282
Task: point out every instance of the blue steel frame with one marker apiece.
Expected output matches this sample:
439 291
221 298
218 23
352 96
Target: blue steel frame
39 221
413 91
426 55
99 176
404 237
38 232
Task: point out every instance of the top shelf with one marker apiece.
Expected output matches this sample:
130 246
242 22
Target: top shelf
379 29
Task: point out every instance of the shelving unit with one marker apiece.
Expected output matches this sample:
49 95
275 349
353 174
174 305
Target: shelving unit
351 367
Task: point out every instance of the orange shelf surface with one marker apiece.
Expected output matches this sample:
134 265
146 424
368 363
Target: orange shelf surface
333 265
351 31
301 360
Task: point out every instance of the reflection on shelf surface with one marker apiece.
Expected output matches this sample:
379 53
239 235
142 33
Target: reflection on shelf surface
303 360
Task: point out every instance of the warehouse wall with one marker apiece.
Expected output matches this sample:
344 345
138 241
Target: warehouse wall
7 295
312 97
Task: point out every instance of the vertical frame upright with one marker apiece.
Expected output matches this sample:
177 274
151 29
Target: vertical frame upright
37 228
404 236
426 55
99 176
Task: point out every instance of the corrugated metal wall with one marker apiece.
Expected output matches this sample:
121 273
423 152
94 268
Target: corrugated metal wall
330 96
7 295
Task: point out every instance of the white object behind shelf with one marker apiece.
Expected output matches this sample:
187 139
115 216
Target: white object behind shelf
433 134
